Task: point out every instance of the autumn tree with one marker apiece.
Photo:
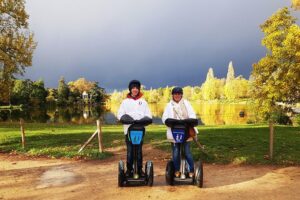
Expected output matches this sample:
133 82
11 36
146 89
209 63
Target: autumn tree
52 95
276 77
21 91
296 4
212 88
230 73
39 93
98 94
81 85
196 95
62 92
166 94
16 44
236 88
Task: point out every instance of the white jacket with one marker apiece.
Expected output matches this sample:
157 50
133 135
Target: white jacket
169 113
137 109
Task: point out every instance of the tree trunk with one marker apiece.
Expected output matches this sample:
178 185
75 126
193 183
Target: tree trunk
271 127
22 132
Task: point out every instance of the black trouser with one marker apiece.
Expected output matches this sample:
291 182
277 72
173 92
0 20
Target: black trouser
130 155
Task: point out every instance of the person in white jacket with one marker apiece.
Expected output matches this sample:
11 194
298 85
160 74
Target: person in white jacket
132 109
179 109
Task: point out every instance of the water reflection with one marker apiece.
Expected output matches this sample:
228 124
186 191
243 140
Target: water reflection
74 114
210 114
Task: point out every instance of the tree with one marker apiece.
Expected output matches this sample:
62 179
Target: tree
236 88
276 77
52 95
62 92
296 4
39 93
212 88
230 72
188 92
16 44
98 94
166 94
81 85
21 91
196 94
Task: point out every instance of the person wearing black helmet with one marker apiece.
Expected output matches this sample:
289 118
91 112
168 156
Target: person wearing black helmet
133 108
179 109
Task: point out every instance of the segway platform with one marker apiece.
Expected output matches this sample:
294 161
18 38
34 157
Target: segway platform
136 135
179 134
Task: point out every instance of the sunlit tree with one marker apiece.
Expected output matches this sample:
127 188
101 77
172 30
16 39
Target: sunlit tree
39 93
16 44
81 85
236 88
21 91
296 4
276 77
212 88
230 73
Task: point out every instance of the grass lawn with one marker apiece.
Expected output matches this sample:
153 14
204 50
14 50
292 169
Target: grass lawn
246 144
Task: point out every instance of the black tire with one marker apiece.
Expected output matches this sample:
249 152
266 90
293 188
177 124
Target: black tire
121 174
199 175
149 172
170 173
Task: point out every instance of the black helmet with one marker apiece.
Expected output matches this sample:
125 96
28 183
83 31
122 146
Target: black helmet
134 83
177 90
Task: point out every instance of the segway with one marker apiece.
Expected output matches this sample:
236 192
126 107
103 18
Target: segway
135 135
179 130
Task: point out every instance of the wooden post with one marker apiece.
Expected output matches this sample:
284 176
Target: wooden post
87 142
271 139
22 132
99 136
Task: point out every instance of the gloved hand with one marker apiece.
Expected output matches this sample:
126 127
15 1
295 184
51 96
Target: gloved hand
171 122
144 121
191 122
126 119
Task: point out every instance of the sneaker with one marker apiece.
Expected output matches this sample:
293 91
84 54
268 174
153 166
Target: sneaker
177 174
191 174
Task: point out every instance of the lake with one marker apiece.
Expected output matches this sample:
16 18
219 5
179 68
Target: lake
210 113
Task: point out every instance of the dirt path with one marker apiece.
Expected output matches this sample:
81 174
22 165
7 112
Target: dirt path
23 178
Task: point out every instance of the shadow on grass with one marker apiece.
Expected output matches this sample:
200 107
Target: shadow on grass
244 145
59 145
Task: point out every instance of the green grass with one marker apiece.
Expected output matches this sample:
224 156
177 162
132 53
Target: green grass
246 144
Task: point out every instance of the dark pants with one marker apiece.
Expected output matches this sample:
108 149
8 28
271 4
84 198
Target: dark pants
176 155
130 155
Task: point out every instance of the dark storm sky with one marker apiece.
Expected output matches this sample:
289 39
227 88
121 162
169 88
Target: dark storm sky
160 42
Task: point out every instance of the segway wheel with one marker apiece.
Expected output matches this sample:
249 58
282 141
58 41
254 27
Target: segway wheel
149 173
170 173
121 175
199 175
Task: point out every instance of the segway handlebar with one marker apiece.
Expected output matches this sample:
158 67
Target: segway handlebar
127 119
170 122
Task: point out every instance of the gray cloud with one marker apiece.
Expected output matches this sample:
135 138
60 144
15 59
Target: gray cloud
161 43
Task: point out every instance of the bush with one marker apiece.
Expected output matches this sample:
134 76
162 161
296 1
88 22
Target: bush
296 120
281 118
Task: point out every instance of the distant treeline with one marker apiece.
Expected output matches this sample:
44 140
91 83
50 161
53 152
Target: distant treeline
231 88
33 93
